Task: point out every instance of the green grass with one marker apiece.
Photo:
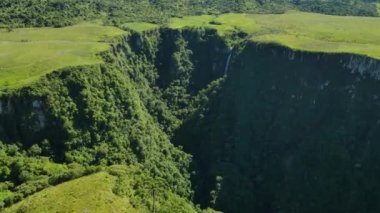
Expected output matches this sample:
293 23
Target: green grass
87 194
140 26
299 30
190 21
198 21
27 54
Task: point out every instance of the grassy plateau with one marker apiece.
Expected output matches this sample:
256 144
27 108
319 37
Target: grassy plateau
140 26
298 30
29 53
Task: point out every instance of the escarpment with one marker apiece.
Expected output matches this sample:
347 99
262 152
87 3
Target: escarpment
288 131
166 88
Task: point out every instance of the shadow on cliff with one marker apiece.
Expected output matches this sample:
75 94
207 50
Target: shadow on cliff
289 132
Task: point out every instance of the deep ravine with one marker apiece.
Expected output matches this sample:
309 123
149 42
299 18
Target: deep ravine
166 88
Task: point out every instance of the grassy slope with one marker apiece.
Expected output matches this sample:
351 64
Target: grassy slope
27 54
87 194
298 30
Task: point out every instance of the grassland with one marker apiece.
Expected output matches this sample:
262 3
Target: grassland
27 54
139 26
298 30
87 194
199 21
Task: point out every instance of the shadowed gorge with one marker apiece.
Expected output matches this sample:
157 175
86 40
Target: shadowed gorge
285 128
197 110
121 112
243 130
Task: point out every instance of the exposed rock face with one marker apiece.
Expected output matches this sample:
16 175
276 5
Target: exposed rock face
23 119
40 115
363 65
5 106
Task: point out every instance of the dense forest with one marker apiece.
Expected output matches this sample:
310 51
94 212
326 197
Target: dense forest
84 119
187 120
116 12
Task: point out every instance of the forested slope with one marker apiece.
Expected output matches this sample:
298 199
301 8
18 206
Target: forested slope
288 132
190 112
116 12
121 112
165 87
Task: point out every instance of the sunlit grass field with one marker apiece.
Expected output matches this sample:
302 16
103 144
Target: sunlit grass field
87 194
140 26
29 53
299 30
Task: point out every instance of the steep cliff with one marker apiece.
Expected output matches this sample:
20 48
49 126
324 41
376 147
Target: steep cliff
270 129
289 131
120 112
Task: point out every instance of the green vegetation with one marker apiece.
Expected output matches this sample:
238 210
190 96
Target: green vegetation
65 112
28 54
139 26
26 172
205 21
115 113
189 106
117 12
48 49
86 194
339 7
141 189
116 189
284 133
301 31
321 33
156 86
129 189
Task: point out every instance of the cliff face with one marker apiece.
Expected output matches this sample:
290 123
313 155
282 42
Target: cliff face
24 118
289 132
119 112
151 62
285 131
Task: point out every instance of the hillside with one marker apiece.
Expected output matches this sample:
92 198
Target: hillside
189 106
117 189
288 132
60 13
86 194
